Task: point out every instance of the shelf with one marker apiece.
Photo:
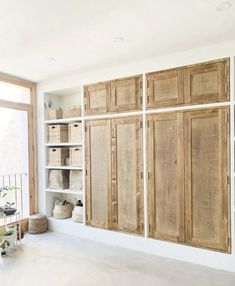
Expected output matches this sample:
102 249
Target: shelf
64 167
64 120
68 222
62 144
65 191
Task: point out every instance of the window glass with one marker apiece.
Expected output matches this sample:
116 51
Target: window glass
14 93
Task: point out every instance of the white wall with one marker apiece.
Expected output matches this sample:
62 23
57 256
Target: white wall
172 250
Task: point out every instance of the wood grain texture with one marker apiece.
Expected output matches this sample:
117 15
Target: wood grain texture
194 84
97 98
206 166
126 94
166 176
98 177
207 82
165 88
127 193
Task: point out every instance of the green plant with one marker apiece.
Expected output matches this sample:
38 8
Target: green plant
7 232
3 246
5 190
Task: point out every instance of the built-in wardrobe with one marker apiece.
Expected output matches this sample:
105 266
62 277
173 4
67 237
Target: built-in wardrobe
187 155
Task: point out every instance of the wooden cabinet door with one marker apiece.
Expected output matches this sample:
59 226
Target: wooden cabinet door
98 173
206 186
127 195
166 176
165 88
97 98
208 82
126 94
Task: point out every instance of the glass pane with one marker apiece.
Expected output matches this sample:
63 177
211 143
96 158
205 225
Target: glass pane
14 160
12 92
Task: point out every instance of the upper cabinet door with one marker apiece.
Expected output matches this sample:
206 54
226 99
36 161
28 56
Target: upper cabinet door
126 94
127 194
166 176
195 84
165 88
97 98
208 82
206 185
98 170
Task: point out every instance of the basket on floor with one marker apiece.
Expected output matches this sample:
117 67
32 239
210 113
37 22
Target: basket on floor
38 223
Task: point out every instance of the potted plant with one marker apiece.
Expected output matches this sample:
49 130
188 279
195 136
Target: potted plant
3 246
9 235
8 207
77 215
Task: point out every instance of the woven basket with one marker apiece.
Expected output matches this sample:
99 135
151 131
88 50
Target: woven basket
38 224
55 114
62 212
77 214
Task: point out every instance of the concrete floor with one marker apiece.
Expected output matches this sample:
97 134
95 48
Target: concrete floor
58 259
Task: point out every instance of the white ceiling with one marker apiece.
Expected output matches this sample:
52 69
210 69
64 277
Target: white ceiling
79 34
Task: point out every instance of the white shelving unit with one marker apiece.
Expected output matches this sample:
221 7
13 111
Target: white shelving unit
64 120
64 99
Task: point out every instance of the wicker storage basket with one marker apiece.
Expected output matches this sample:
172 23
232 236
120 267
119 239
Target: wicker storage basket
57 133
55 114
77 215
62 211
57 156
58 179
38 224
75 111
75 180
76 156
75 132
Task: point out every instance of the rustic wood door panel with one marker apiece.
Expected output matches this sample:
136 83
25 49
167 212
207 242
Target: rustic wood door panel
98 178
166 176
127 195
126 94
165 88
207 82
97 98
206 167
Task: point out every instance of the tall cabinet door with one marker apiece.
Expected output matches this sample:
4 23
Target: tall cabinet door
98 171
126 94
97 98
166 176
207 82
165 88
127 195
206 186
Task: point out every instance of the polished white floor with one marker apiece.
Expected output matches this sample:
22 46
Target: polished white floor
57 259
